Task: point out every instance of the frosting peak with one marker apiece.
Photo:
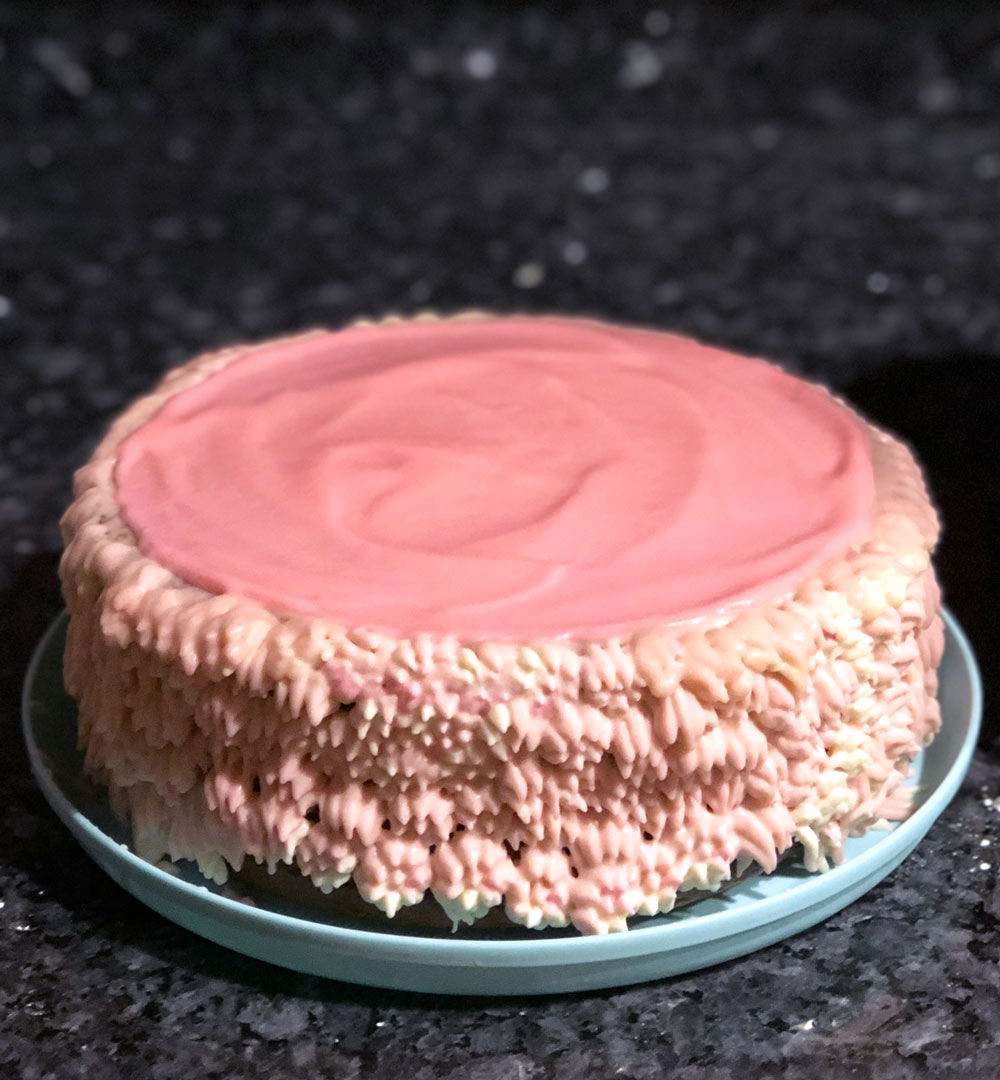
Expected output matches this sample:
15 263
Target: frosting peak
496 478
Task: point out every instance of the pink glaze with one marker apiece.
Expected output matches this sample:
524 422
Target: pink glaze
500 478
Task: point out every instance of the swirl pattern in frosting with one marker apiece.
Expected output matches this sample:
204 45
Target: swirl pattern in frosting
497 478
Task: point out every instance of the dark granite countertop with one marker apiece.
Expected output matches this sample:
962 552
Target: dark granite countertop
818 183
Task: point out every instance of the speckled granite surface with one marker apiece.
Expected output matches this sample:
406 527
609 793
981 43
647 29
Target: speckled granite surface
820 186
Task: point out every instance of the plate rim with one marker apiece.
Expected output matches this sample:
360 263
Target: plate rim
444 951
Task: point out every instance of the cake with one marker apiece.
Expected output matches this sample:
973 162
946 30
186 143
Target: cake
537 612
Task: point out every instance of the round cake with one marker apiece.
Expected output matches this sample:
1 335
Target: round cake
525 611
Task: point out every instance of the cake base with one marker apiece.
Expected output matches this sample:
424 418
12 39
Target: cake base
750 915
290 890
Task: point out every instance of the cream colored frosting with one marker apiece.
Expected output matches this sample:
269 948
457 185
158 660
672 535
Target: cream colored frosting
569 779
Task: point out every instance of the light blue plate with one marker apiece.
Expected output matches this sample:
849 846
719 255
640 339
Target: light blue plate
750 915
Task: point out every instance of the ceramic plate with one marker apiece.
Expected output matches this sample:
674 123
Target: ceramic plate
271 926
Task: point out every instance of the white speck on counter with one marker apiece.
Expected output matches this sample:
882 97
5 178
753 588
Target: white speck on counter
180 149
986 166
985 842
985 866
657 23
641 66
117 43
480 63
907 201
593 180
425 62
938 96
877 282
806 1025
529 275
575 252
765 137
668 292
167 228
62 68
40 155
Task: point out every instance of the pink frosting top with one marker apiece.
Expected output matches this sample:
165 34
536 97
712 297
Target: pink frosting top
497 478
